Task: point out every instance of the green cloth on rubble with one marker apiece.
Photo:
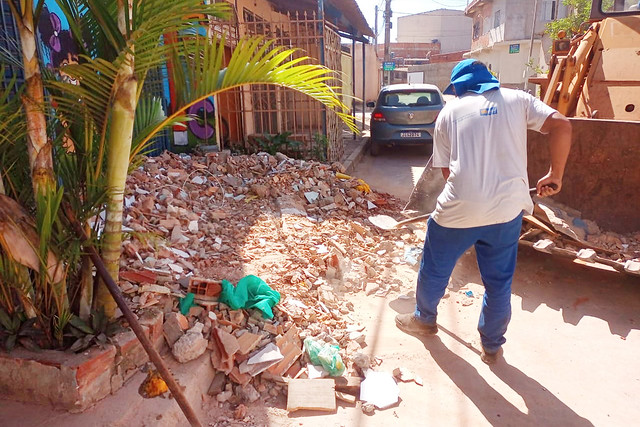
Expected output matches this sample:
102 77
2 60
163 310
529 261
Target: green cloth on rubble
186 303
250 292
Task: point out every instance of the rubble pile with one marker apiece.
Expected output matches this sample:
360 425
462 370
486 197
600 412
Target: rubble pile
196 221
291 221
560 230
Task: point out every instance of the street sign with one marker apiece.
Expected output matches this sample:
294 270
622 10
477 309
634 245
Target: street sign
514 48
388 66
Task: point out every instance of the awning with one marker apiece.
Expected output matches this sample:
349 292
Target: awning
344 14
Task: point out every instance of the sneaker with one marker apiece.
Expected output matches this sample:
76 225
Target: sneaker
410 324
490 358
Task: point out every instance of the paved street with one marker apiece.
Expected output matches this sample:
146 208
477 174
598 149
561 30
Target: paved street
395 171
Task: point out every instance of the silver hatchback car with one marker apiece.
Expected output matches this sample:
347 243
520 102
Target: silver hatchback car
404 114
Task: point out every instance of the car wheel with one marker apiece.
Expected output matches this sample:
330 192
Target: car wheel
374 148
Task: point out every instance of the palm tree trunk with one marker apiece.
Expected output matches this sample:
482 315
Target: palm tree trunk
38 145
86 288
119 148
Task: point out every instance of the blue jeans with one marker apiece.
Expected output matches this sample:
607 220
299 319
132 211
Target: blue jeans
496 251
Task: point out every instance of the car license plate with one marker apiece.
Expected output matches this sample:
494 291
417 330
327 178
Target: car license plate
410 134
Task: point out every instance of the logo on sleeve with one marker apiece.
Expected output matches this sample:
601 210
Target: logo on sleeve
489 111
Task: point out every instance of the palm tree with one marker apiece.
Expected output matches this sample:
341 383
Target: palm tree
125 42
38 145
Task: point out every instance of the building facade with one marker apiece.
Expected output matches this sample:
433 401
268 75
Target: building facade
236 117
450 28
502 33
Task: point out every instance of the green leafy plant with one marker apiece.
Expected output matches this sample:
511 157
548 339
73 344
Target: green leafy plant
534 67
279 142
579 12
320 145
97 331
18 329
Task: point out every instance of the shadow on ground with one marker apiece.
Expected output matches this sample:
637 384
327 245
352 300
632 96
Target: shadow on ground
577 291
543 407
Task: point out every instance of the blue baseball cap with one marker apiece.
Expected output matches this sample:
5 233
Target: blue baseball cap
471 75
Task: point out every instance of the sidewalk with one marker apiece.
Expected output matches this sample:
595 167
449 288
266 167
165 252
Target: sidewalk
354 147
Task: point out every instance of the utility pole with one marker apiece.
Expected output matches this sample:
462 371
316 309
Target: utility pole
387 37
375 32
533 33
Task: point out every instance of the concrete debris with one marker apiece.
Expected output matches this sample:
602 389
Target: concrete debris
247 393
302 230
262 360
173 328
190 346
240 412
368 408
405 375
217 385
344 397
247 342
349 385
224 396
362 361
559 230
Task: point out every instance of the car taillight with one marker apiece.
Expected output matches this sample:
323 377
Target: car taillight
378 117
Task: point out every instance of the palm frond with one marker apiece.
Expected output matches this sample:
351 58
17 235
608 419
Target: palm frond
14 169
198 73
149 115
94 93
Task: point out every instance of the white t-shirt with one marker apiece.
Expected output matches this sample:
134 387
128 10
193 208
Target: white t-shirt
482 139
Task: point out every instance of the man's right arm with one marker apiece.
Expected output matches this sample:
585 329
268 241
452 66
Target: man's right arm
558 127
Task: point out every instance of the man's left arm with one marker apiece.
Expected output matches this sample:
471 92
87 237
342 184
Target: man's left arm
558 127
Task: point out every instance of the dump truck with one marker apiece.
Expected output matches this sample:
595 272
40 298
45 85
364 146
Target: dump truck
595 219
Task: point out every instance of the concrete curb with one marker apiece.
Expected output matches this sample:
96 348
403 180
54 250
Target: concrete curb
126 407
356 155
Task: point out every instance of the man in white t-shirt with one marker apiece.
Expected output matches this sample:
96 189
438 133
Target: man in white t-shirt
480 143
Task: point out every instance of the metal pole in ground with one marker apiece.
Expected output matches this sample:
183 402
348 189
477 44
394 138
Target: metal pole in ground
154 356
364 82
386 79
529 58
353 80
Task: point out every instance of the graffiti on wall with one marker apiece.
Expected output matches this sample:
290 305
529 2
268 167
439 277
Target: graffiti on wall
57 45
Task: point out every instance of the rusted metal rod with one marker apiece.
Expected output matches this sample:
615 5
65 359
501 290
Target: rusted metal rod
175 389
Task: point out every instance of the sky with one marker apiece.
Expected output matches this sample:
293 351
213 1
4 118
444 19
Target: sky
402 8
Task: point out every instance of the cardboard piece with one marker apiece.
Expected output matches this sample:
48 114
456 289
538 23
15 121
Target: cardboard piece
316 395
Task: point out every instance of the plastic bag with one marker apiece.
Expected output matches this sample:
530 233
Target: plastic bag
250 292
325 355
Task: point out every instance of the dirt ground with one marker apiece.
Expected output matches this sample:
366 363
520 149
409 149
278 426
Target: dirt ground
570 357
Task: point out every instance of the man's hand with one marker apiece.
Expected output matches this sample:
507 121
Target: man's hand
559 129
548 186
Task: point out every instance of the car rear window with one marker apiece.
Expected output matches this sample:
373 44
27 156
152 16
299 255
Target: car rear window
410 98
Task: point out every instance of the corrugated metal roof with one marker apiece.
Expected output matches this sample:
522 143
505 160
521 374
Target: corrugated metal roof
344 14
